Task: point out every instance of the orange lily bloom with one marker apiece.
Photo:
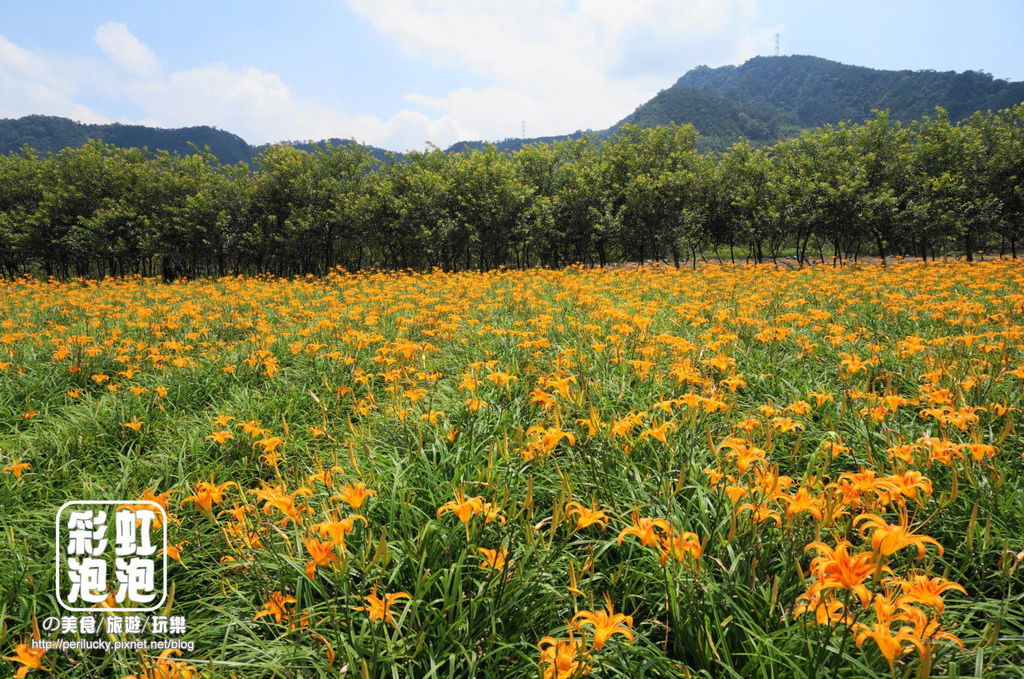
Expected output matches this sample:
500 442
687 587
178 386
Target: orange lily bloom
826 611
928 591
464 508
906 484
649 531
494 559
324 476
802 501
606 624
660 432
17 468
30 659
221 437
166 668
760 512
276 607
337 530
786 424
174 549
379 608
270 444
887 539
276 497
892 645
354 495
543 441
222 420
586 516
321 554
208 494
836 568
928 630
562 659
681 546
745 453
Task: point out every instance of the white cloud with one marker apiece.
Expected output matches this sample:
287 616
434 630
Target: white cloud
36 83
257 105
124 49
262 108
557 65
562 66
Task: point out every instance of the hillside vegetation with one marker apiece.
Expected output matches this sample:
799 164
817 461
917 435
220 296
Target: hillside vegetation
929 189
764 100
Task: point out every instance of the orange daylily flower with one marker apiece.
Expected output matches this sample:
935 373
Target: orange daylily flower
927 590
270 444
802 501
606 624
586 516
681 546
891 644
836 568
337 530
542 441
221 437
649 531
321 553
173 550
29 658
166 668
562 659
760 512
325 476
276 607
354 495
660 432
464 508
887 539
276 497
493 559
208 494
379 608
17 468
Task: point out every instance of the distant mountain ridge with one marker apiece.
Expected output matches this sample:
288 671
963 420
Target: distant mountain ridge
763 100
770 98
775 96
51 133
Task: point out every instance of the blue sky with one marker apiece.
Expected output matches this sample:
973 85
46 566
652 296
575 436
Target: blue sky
399 73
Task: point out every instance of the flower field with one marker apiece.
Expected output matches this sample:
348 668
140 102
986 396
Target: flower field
724 472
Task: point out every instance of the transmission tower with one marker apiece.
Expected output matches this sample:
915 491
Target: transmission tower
778 52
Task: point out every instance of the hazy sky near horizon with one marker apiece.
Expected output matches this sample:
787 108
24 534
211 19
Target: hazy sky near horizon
399 73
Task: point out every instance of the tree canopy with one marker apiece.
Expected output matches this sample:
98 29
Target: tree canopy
929 188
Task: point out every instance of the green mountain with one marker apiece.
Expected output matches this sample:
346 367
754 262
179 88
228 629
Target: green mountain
763 100
516 143
769 98
49 133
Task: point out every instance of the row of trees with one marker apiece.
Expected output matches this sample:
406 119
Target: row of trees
930 188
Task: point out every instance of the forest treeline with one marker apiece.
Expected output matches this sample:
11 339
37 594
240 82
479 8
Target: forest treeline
926 189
